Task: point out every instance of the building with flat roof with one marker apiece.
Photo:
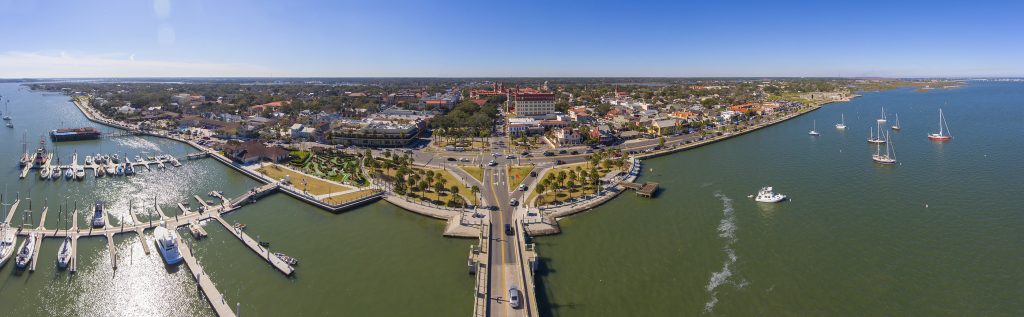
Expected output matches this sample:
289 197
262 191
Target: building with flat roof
532 103
374 133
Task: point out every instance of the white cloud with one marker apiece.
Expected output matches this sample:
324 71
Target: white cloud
65 65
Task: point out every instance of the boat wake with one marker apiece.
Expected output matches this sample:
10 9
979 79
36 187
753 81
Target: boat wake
726 231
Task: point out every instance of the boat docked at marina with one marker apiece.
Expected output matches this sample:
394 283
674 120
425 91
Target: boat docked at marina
767 195
8 238
110 170
79 173
64 254
55 173
25 252
167 244
69 174
97 215
943 134
287 259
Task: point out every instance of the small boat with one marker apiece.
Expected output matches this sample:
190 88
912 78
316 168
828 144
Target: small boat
814 129
287 259
69 173
25 252
7 240
129 169
64 254
99 171
239 226
110 170
9 124
44 173
120 170
882 119
875 139
79 173
264 244
55 173
97 215
897 125
115 159
943 134
842 122
88 160
889 157
167 244
766 195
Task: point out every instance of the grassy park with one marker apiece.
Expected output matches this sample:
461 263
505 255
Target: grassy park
313 185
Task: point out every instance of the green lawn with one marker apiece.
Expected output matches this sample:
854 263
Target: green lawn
476 172
517 174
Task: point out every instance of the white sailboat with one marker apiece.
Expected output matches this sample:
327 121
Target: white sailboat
842 122
814 129
897 125
882 120
873 138
890 155
943 134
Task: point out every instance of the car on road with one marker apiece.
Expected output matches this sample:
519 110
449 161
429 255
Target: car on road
522 187
513 298
574 152
451 159
508 229
492 163
533 174
559 162
513 202
563 152
463 159
525 153
510 157
548 153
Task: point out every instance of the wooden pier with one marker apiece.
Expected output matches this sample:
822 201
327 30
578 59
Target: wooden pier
646 189
254 245
216 299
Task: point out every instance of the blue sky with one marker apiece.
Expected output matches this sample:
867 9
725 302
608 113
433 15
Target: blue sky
116 38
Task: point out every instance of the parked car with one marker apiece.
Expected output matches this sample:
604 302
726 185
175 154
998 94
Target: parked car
463 159
451 159
563 152
509 230
574 152
559 162
510 157
548 153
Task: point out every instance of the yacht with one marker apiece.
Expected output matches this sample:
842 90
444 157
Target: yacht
64 254
766 195
69 174
814 129
97 215
943 134
7 240
174 161
897 125
167 243
110 170
882 120
9 124
842 122
99 171
287 259
115 159
88 160
872 138
119 170
889 157
44 173
129 169
25 252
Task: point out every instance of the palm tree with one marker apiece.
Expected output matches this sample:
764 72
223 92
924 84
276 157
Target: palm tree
476 191
454 190
539 189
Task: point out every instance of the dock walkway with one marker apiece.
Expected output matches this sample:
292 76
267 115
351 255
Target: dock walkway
254 245
216 299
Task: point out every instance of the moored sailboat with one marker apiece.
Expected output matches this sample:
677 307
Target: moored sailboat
889 157
897 125
943 134
842 122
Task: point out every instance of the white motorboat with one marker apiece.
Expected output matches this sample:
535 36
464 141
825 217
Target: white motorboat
69 174
55 173
167 243
129 169
25 252
88 160
44 173
766 195
97 215
7 240
64 254
110 170
79 173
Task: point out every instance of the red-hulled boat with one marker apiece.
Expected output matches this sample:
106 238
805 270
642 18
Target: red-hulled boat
943 134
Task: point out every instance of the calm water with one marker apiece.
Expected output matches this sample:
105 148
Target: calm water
375 260
938 235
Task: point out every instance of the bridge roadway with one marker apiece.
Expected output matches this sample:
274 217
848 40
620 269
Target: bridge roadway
506 269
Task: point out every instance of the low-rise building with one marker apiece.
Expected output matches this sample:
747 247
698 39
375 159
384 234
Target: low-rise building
374 133
250 152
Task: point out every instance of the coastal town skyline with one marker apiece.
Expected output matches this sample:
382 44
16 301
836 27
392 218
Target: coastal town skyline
166 38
